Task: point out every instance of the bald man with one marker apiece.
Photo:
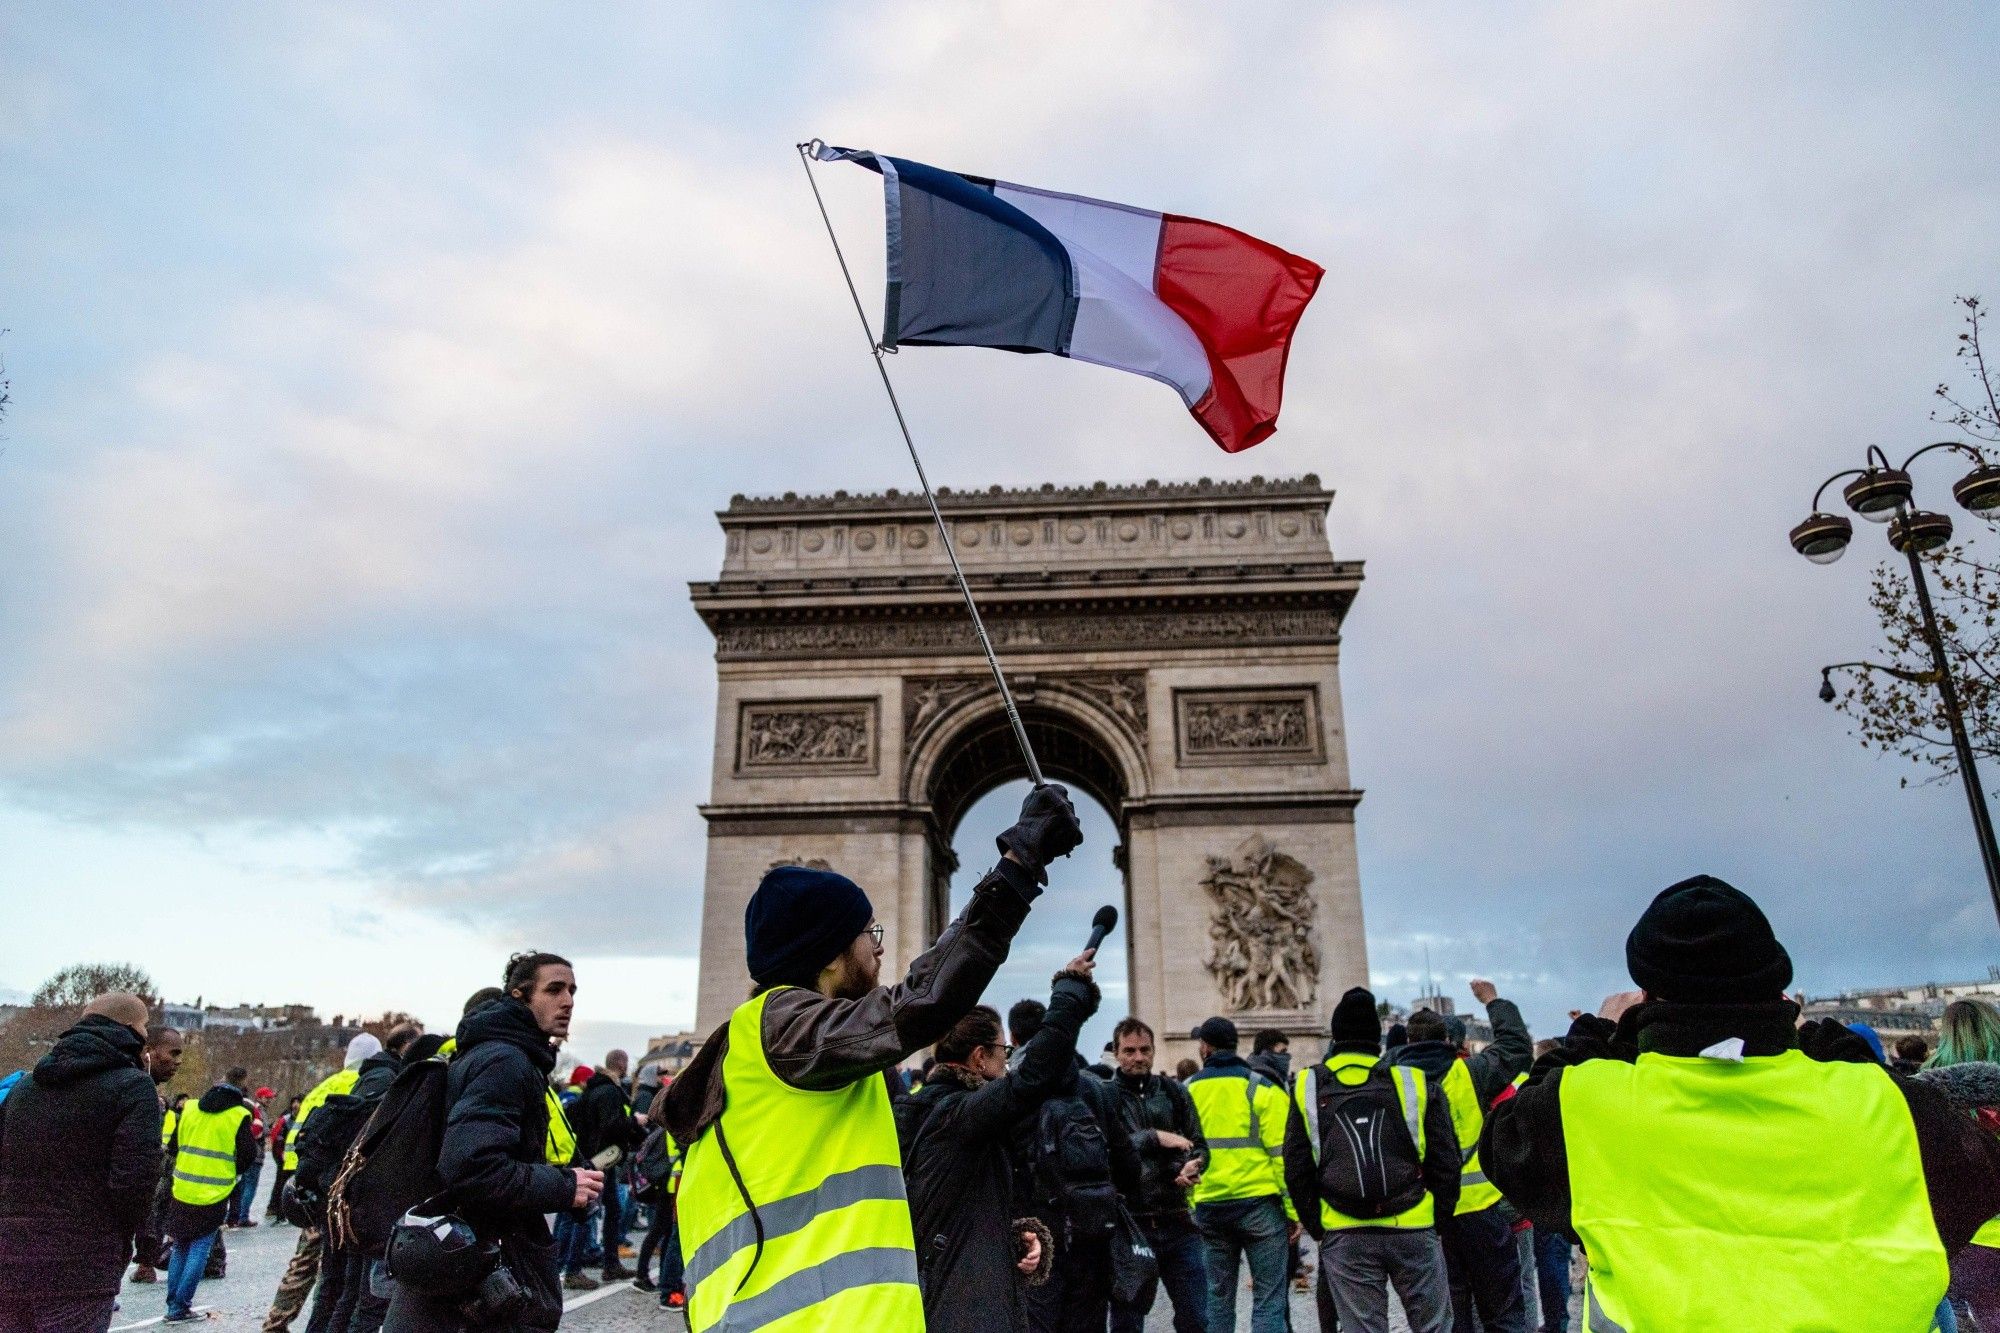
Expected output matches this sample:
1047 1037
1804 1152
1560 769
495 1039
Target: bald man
79 1156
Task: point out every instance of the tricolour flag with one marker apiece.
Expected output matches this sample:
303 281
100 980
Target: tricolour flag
975 262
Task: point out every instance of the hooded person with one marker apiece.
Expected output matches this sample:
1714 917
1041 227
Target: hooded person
824 1237
1689 1154
1480 1252
79 1161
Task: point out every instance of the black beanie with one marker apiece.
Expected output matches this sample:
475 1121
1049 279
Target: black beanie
1355 1018
1705 942
798 921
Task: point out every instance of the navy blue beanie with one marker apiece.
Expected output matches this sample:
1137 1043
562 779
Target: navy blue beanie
798 921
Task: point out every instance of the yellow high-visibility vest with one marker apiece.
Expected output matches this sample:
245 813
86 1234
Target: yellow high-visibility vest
561 1150
167 1123
205 1165
1703 1191
1411 1094
1243 1119
1475 1192
331 1085
792 1209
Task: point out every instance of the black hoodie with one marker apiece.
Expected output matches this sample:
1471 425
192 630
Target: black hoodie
189 1219
79 1159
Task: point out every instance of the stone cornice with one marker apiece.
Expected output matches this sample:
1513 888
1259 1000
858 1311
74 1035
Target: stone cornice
1151 492
1156 581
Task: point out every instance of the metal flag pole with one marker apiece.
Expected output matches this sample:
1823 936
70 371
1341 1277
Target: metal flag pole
944 533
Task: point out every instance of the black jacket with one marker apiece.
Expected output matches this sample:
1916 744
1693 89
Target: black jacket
79 1158
955 1134
1441 1160
494 1155
1149 1105
819 1044
377 1072
602 1118
1525 1155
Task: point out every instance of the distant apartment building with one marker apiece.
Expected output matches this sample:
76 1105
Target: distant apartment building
198 1017
1903 1011
672 1052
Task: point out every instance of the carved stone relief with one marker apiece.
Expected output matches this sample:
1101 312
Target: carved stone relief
1123 695
924 700
804 862
1136 629
1270 726
1262 950
818 735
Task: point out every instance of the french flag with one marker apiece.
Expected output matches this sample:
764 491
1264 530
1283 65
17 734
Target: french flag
975 262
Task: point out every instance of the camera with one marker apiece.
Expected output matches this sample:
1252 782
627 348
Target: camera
498 1298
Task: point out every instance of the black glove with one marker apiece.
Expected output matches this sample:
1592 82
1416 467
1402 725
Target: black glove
1047 829
1831 1042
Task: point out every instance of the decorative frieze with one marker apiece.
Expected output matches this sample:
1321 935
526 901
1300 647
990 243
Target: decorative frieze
1248 726
806 736
1263 947
1167 629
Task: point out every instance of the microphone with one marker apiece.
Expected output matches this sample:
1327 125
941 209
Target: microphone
1101 925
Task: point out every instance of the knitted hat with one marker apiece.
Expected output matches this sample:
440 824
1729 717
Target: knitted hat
1705 942
1355 1019
798 921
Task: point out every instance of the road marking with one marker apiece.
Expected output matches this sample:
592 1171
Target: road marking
208 1310
578 1302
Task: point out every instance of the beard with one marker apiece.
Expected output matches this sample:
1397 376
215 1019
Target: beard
852 980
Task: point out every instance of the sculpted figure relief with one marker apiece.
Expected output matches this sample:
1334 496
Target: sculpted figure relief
806 736
1263 954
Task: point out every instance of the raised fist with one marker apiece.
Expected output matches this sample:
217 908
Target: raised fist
1046 829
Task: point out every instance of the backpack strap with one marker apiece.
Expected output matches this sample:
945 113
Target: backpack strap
1308 1104
1410 1093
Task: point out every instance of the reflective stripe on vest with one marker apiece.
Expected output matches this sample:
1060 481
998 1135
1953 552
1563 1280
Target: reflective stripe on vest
1703 1192
817 1232
1243 1122
1410 1092
1475 1193
205 1166
561 1149
331 1085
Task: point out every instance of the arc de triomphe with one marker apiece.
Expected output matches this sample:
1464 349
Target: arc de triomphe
1175 649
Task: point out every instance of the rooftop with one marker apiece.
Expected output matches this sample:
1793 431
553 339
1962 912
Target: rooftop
1306 487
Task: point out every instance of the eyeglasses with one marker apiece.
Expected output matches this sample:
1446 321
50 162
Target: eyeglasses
1005 1048
875 933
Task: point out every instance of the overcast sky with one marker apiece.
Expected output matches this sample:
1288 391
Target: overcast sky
378 369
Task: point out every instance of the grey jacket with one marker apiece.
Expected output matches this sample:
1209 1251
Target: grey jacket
819 1044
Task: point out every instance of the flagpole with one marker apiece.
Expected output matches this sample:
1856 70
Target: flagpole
944 533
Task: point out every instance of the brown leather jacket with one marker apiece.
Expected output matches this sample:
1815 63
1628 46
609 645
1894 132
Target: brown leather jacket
818 1044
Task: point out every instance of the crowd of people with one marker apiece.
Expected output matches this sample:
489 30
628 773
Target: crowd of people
1699 1155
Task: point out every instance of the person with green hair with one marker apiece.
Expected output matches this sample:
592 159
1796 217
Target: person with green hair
1966 1068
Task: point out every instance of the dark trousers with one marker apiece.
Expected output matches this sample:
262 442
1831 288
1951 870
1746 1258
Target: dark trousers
274 1207
665 1237
1485 1271
1077 1296
1552 1279
614 1225
31 1306
1239 1232
333 1303
1183 1272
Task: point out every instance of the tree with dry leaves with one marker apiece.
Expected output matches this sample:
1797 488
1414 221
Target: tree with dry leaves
1900 712
80 983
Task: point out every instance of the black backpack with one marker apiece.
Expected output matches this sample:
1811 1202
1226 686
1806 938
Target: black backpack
1368 1161
392 1165
332 1126
1070 1162
652 1167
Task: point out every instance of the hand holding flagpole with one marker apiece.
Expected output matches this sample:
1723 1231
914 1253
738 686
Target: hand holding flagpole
944 533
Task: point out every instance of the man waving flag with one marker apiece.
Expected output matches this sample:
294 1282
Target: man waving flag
983 263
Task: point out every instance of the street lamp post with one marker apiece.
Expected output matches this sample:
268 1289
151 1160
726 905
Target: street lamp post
1881 493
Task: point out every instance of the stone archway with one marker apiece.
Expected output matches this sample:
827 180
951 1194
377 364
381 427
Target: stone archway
1175 652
